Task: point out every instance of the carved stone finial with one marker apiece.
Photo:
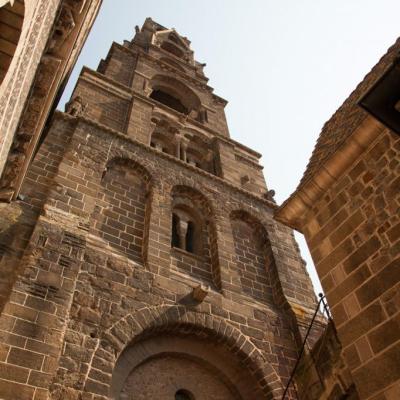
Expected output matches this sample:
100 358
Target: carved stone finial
200 292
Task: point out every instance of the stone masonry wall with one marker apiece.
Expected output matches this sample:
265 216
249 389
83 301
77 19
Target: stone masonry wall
79 302
251 259
109 100
353 233
120 211
119 65
104 107
100 285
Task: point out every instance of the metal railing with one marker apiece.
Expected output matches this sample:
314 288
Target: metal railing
325 310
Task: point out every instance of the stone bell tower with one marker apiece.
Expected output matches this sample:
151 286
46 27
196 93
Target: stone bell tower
147 263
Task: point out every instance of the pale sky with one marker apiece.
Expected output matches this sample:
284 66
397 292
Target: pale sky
285 66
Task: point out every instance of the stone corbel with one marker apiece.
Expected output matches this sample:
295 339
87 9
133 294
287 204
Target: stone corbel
200 292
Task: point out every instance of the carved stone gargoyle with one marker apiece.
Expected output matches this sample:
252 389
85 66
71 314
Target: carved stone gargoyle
76 107
64 26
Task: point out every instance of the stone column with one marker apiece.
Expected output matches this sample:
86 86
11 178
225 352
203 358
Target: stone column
182 231
178 146
184 145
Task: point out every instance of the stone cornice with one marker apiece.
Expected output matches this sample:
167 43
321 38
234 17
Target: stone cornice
293 212
251 163
126 92
123 137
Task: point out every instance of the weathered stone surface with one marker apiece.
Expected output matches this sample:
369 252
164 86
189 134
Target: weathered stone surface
134 203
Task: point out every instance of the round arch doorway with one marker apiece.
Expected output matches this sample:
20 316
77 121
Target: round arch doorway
181 368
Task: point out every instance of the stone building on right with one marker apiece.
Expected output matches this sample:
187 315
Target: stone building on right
348 207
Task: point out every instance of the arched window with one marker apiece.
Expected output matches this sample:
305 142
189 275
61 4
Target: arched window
169 100
11 19
195 157
183 394
193 236
174 94
186 230
199 152
163 136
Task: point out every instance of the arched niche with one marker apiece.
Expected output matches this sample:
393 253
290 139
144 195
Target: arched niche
200 369
11 21
164 320
122 212
163 135
174 94
193 235
253 253
199 152
163 141
189 231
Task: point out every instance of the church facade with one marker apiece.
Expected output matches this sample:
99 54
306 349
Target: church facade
146 261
